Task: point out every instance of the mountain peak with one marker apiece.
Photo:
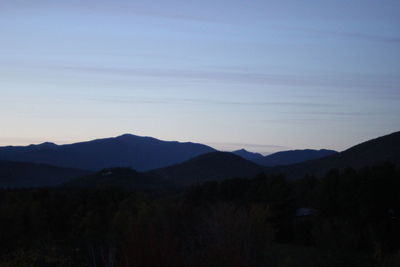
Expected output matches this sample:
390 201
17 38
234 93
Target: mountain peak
45 145
126 135
247 154
127 150
130 137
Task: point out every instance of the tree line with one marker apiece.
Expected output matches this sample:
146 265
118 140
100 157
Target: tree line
346 218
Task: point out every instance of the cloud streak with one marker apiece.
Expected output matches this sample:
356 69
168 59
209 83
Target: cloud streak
106 8
343 81
355 35
202 101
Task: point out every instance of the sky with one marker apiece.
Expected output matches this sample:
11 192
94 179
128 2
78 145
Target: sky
261 75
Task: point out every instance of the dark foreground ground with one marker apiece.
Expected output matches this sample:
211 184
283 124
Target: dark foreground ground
347 218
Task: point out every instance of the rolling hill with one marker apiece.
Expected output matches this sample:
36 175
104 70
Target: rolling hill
293 156
223 165
212 166
140 153
128 150
370 153
24 174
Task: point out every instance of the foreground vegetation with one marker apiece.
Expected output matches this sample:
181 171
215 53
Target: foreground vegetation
347 218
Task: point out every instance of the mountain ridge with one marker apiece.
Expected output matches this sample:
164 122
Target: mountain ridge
369 153
207 166
247 154
293 156
127 150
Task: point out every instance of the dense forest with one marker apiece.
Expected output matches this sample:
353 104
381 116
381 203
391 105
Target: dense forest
346 218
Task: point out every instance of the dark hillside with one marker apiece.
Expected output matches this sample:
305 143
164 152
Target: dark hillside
212 166
369 153
25 174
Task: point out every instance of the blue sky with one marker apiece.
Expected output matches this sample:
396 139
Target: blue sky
263 75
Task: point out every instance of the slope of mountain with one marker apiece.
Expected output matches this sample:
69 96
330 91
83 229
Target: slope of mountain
141 153
212 166
25 174
370 153
124 178
248 155
293 156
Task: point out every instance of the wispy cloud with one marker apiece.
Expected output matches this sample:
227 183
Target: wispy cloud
116 8
356 35
257 103
203 101
336 81
316 113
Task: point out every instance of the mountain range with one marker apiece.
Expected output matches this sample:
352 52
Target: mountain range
218 166
373 152
284 157
176 163
137 152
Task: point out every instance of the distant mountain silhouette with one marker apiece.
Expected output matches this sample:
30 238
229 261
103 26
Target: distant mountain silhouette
123 178
147 153
24 174
140 153
248 155
211 166
223 165
293 156
370 153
